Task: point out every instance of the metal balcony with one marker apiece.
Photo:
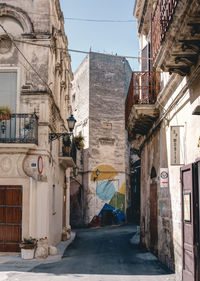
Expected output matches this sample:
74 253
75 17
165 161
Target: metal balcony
176 35
67 157
19 128
140 111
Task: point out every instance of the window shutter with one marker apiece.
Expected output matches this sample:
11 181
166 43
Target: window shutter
145 56
146 53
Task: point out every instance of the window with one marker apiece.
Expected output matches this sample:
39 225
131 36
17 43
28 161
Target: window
8 89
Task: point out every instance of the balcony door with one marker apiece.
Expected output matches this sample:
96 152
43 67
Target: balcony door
8 89
8 98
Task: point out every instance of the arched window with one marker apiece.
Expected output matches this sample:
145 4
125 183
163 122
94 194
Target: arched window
153 173
15 20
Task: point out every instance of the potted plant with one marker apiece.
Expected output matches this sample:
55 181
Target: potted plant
5 112
66 147
79 142
28 246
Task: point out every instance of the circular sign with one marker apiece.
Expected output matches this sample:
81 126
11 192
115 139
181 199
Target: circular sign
164 175
40 164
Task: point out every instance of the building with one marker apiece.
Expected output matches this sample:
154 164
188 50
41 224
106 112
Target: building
162 120
98 94
35 82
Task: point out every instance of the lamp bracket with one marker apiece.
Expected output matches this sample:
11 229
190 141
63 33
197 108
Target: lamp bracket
54 136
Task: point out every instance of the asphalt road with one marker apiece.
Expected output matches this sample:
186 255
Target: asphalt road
101 254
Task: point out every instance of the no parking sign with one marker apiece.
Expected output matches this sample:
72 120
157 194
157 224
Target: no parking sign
164 177
40 164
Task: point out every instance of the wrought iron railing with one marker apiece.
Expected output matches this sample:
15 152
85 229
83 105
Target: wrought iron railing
144 88
156 32
19 128
167 8
160 22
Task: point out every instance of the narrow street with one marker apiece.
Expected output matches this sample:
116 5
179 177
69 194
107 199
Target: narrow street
100 254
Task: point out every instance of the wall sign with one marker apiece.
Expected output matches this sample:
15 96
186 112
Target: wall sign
40 164
175 145
187 207
33 165
164 177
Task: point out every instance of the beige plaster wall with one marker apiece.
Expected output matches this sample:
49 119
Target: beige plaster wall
48 96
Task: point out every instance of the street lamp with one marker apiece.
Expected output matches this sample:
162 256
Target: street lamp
71 123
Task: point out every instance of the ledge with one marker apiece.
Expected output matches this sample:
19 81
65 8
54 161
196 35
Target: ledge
179 49
17 147
66 162
141 118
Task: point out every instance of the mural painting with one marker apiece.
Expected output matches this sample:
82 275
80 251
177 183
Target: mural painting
110 196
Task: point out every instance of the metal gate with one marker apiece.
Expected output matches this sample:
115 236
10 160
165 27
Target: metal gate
10 218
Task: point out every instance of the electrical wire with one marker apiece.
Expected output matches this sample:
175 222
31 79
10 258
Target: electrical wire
79 51
85 19
33 68
25 58
103 21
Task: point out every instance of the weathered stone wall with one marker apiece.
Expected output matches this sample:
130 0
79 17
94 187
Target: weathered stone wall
177 101
100 86
157 153
150 158
108 85
38 11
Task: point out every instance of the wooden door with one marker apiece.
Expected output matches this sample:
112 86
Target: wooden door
153 218
10 218
188 223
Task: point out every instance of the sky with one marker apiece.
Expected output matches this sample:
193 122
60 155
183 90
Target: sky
112 38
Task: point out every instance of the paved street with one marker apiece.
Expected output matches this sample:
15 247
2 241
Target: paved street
98 254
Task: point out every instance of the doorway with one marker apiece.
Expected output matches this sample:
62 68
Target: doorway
10 218
190 199
153 218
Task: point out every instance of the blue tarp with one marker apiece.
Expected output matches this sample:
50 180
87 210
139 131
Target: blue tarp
118 214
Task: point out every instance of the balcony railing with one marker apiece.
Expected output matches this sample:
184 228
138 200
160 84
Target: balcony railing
143 89
160 21
19 128
69 151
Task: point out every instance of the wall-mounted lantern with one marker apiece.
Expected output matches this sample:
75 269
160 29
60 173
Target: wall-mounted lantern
97 174
3 128
71 123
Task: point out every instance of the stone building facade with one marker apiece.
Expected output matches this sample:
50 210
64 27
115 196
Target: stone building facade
35 82
162 111
99 90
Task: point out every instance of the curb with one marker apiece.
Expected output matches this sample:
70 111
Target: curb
16 262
